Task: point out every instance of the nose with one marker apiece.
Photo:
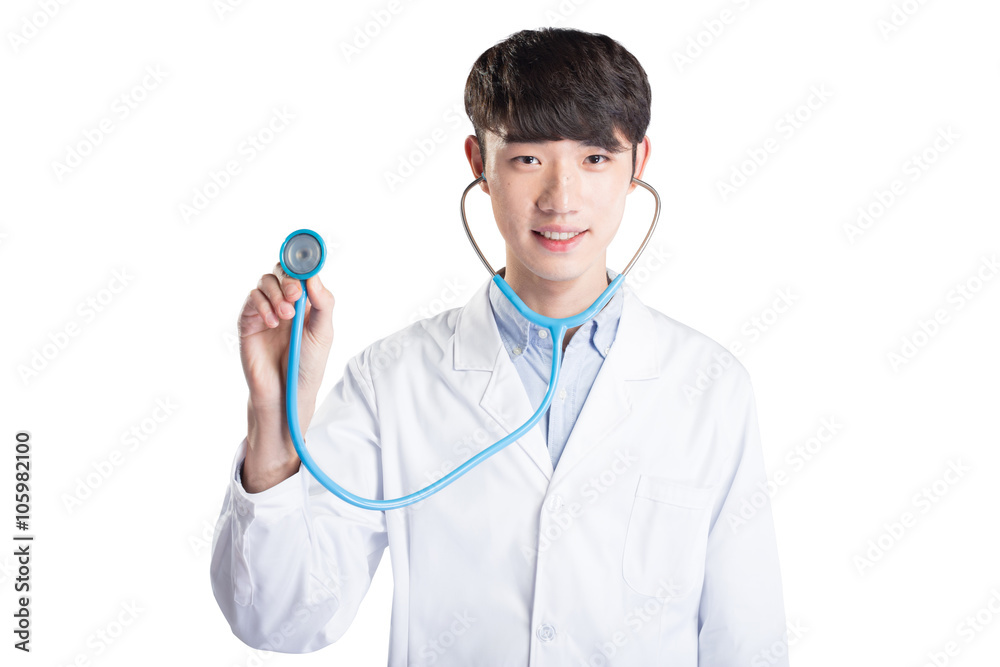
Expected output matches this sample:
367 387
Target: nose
561 191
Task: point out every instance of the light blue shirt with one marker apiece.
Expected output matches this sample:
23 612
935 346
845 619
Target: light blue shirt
530 349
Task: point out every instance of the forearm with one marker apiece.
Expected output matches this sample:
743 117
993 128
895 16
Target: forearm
266 576
271 457
293 563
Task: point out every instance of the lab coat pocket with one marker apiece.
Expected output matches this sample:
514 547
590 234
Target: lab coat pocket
666 537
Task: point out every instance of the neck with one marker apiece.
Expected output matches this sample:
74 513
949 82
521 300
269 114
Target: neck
557 298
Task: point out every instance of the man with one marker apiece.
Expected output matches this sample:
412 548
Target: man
611 534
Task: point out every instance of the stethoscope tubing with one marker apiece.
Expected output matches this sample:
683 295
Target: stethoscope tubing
558 331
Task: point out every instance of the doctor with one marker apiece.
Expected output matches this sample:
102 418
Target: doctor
616 532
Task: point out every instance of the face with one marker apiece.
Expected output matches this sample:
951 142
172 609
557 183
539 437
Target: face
542 192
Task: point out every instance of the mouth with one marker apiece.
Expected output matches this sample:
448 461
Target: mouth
559 241
558 236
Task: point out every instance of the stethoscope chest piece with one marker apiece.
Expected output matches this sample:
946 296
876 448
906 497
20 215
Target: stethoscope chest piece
303 254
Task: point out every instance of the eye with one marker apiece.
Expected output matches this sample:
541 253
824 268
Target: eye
605 158
527 157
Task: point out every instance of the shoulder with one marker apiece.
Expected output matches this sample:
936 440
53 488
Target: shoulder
427 339
696 361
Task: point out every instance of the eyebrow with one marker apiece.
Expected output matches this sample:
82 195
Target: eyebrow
580 144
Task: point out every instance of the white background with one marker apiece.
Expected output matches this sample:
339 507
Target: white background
143 535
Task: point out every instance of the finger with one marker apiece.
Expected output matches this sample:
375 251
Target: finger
283 308
321 298
290 286
320 323
261 306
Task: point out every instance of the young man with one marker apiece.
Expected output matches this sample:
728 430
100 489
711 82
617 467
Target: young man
612 533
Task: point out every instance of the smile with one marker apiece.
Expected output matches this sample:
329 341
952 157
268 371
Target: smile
559 241
559 236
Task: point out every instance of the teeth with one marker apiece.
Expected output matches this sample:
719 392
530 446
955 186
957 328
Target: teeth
560 236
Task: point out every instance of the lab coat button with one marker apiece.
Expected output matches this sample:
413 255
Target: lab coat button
546 632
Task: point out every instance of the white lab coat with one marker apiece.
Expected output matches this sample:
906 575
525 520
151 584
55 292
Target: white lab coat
651 543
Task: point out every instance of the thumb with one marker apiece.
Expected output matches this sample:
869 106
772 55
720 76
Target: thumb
319 325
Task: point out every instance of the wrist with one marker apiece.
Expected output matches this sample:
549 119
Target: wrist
270 455
255 480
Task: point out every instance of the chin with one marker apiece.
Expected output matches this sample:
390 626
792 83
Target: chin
557 270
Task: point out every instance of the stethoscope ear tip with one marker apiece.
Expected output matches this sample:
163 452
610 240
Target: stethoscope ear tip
303 254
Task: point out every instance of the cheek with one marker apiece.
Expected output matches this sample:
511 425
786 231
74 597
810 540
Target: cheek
506 220
612 207
508 216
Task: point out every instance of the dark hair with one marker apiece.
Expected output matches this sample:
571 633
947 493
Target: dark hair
559 83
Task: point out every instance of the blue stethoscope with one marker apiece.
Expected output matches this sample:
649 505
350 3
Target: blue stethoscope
302 256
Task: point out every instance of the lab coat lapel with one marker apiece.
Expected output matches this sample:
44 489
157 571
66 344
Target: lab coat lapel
633 356
507 402
478 347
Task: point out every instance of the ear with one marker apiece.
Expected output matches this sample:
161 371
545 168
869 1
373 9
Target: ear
475 158
642 151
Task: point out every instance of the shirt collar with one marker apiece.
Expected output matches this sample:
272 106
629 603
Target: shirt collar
517 332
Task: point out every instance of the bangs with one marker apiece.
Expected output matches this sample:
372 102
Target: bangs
557 83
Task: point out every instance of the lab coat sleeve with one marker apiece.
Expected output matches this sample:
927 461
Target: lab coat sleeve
741 620
291 564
